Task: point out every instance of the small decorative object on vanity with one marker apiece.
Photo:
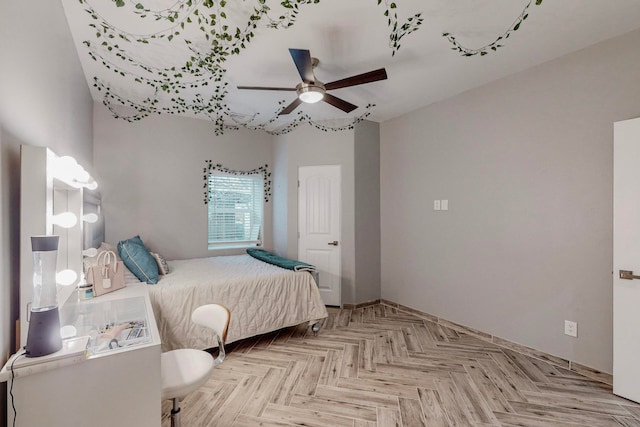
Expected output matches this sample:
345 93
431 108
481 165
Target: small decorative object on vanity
85 291
44 326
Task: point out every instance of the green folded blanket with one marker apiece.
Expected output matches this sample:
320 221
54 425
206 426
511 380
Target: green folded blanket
274 259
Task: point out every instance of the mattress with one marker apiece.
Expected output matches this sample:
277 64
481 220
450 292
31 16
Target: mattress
261 297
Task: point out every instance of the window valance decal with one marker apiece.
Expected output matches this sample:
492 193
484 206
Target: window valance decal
210 167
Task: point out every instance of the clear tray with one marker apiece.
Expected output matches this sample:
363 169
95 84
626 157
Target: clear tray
110 324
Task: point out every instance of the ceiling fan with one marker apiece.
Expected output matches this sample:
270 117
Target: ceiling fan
312 90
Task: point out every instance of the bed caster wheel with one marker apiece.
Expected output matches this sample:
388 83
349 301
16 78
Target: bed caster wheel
315 328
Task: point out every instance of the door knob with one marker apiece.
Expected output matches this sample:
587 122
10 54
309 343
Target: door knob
334 243
628 275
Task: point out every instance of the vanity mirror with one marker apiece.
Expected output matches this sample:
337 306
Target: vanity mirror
51 203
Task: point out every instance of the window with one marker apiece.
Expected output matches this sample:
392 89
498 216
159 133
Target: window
235 210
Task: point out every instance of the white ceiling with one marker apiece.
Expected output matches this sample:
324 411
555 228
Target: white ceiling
351 37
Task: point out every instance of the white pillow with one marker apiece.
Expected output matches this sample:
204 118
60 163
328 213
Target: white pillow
163 266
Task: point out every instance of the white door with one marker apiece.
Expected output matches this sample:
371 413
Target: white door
319 206
626 257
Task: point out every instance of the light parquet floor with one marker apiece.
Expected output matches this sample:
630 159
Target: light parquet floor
377 366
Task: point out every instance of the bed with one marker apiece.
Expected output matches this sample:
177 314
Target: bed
261 297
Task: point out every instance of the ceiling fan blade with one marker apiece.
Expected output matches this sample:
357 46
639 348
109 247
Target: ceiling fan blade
266 88
302 59
345 106
289 108
371 76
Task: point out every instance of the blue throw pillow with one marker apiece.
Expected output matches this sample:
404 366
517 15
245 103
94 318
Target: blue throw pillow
138 259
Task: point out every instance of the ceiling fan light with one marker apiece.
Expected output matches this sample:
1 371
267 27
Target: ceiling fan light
310 94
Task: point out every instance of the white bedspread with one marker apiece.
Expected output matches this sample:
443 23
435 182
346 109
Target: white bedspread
261 297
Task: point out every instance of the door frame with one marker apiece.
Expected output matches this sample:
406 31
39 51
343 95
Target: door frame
626 256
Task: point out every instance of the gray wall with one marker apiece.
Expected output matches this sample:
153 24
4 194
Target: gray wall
367 211
152 175
280 198
44 101
307 146
526 164
358 152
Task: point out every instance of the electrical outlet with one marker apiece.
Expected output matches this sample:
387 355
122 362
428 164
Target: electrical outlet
571 328
436 205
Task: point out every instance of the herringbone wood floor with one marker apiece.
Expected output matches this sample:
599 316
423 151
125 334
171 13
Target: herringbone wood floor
377 366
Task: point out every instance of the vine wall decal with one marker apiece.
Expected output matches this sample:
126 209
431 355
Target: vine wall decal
496 44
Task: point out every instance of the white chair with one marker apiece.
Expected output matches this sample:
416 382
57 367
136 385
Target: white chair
185 370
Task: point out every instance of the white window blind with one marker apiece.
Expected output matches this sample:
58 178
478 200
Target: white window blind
235 210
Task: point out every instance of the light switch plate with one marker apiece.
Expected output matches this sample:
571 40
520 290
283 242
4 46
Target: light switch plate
444 205
571 328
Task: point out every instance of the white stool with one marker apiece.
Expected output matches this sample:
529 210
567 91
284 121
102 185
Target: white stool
185 370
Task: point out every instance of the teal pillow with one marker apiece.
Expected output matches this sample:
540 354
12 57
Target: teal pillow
138 260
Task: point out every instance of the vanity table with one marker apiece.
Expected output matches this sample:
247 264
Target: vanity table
105 385
92 381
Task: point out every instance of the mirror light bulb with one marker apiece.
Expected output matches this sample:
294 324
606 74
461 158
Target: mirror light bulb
92 185
91 252
90 218
67 162
81 175
64 168
66 277
65 219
